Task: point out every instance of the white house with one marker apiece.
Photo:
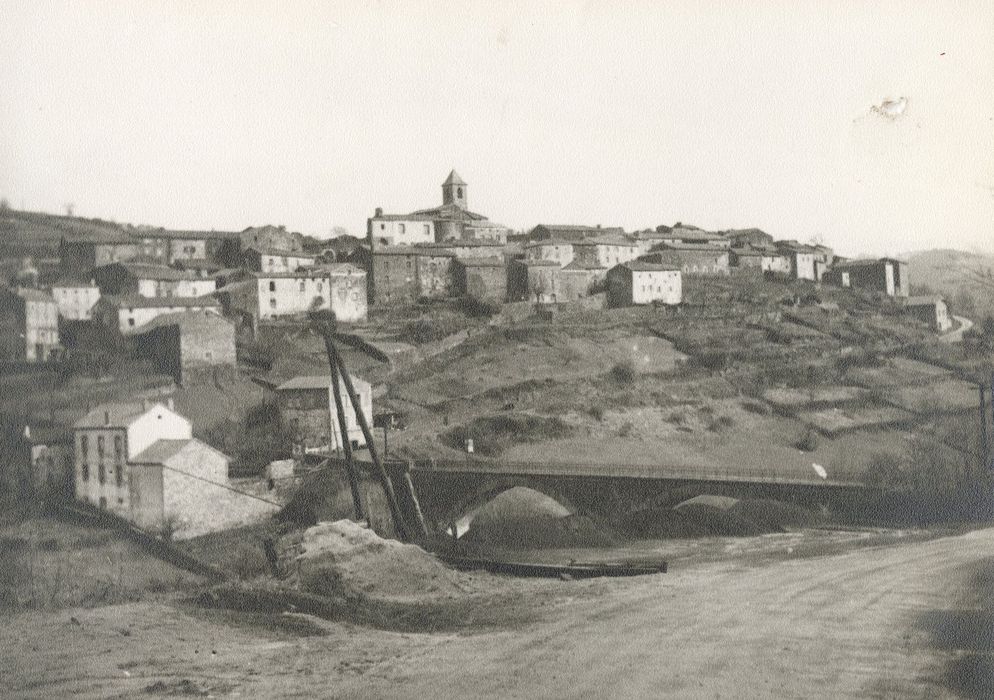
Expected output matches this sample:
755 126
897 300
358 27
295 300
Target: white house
270 260
75 299
265 295
347 291
107 437
638 282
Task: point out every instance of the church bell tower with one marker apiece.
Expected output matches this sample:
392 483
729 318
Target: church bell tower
454 190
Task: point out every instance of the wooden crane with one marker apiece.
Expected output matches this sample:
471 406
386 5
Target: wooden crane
324 323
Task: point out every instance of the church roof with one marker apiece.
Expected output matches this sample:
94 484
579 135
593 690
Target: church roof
451 212
454 179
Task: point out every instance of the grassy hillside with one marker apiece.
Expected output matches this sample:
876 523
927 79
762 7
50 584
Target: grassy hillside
953 274
38 234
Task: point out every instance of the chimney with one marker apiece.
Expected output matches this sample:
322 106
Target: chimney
106 417
144 404
169 404
379 211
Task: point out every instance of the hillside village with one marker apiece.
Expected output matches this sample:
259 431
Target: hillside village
150 372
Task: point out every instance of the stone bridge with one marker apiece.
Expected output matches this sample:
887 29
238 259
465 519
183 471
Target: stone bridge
451 491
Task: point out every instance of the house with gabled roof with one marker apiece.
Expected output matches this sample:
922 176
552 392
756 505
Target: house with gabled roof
886 275
152 281
141 462
605 251
307 407
128 313
640 282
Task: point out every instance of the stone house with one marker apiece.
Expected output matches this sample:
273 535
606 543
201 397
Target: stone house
270 238
886 275
128 313
75 299
276 260
684 237
347 285
480 278
605 251
577 280
307 408
403 274
188 344
558 251
485 231
164 246
806 262
749 238
692 260
544 282
569 232
78 256
532 280
29 325
267 295
151 281
932 310
468 248
638 282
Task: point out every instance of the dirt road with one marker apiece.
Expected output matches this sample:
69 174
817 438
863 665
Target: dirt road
956 336
905 620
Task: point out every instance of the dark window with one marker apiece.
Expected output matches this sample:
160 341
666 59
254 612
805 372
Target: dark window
118 448
272 286
85 469
84 444
101 473
100 447
119 475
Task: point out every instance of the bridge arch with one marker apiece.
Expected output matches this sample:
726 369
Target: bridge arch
462 511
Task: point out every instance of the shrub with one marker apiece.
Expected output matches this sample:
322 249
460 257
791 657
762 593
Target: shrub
757 407
597 411
884 469
249 561
625 430
623 372
808 441
491 434
719 423
677 418
478 308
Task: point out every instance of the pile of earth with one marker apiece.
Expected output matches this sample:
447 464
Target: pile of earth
345 559
521 518
709 515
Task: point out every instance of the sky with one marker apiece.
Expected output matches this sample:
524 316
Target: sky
866 125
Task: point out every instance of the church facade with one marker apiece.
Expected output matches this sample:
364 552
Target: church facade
452 221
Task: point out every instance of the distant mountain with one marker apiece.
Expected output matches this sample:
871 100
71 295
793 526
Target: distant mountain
956 275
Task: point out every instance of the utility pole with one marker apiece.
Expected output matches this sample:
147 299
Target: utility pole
984 450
